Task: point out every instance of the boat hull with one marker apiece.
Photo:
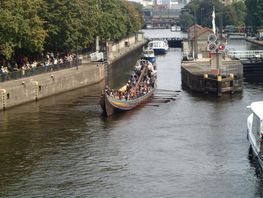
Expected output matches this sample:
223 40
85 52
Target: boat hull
160 51
151 59
255 153
111 105
253 141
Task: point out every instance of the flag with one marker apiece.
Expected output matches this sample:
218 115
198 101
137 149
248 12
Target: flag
213 20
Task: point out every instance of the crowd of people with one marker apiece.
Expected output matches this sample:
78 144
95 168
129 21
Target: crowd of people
140 82
23 63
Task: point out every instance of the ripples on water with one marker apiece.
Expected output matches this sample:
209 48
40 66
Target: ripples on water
193 146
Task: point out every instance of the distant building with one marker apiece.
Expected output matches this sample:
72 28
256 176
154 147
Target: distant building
198 35
164 3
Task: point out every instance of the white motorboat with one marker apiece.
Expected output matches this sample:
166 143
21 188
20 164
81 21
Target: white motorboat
173 28
159 46
149 55
255 130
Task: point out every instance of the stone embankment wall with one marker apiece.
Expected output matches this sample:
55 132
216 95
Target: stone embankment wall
17 92
124 46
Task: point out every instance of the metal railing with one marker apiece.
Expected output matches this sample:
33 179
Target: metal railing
245 55
37 70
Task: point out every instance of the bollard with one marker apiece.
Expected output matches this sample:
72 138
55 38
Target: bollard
35 83
3 97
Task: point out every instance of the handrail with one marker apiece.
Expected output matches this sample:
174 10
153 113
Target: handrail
245 54
37 70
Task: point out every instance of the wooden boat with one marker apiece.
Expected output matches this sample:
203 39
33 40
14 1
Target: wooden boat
255 131
110 103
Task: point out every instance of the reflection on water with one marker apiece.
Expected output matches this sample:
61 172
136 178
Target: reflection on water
193 146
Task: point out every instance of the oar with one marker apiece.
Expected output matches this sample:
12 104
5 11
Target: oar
168 90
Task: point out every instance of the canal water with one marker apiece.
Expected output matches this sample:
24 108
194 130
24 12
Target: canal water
179 144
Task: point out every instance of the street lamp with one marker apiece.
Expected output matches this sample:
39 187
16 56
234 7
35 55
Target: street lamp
195 48
201 18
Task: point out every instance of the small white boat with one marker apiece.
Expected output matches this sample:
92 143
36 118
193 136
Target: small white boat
255 130
149 55
149 26
173 28
159 46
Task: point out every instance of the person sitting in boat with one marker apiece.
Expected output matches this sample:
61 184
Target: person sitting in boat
151 69
107 90
138 68
128 86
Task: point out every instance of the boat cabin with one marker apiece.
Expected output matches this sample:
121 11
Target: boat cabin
159 46
255 126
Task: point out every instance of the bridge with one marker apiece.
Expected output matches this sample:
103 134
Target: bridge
161 18
173 42
246 54
237 35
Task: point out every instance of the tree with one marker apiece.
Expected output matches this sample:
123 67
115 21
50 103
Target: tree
63 25
133 13
186 20
251 17
231 15
69 23
259 14
20 26
235 14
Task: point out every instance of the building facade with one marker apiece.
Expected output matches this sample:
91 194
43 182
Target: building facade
165 3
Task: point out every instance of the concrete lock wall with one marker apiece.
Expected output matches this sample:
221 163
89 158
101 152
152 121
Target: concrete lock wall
28 89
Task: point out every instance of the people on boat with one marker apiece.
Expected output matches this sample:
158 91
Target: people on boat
134 89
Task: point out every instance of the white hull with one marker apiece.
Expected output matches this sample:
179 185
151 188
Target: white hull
159 46
254 141
255 153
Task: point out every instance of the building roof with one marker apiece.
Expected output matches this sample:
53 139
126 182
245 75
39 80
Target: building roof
257 108
199 31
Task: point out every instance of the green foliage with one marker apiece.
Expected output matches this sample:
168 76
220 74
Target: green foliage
62 25
117 19
235 14
20 26
252 13
186 20
201 10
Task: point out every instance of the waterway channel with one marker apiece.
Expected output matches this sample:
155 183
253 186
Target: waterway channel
192 146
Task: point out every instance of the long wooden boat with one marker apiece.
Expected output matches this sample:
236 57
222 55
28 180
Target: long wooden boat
111 104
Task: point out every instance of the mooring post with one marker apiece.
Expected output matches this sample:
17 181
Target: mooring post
35 83
3 98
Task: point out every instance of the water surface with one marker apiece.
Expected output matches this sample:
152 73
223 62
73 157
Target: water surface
193 146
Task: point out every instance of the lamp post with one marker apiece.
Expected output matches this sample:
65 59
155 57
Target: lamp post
221 19
195 35
201 18
77 56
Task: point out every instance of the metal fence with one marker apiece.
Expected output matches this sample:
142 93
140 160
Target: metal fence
245 55
37 70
